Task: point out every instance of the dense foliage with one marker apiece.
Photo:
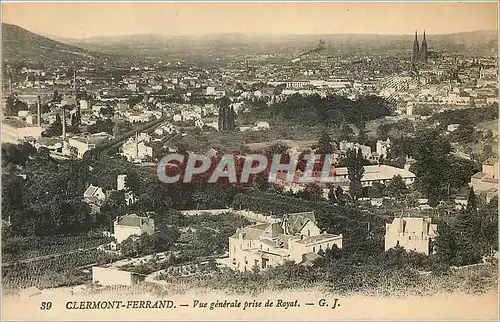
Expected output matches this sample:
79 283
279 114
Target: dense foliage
329 110
468 115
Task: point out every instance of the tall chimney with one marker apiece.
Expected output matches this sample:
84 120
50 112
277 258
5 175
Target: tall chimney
64 124
10 84
74 80
39 112
136 145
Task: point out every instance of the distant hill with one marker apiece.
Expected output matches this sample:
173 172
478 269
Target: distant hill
475 43
21 44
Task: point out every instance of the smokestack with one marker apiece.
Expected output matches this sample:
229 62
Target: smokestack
39 112
64 124
10 84
136 145
74 80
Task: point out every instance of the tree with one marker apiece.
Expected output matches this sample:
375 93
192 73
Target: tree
396 187
262 181
165 237
346 133
355 169
339 192
227 115
122 128
279 147
311 192
324 143
137 245
488 136
133 182
12 200
101 126
56 97
487 152
465 133
107 111
431 159
471 202
55 129
77 118
362 136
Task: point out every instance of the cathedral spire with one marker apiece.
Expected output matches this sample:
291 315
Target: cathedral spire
423 49
416 52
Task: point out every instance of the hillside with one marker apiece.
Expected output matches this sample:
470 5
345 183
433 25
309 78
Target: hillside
475 43
21 44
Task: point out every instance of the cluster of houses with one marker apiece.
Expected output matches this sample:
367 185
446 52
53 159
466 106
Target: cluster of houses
486 181
297 238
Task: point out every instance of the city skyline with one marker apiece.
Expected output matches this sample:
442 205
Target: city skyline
86 20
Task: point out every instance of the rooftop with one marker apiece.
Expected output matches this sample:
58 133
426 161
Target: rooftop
132 220
15 123
479 175
379 172
90 191
318 238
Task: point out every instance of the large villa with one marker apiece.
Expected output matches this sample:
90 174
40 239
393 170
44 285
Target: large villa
296 238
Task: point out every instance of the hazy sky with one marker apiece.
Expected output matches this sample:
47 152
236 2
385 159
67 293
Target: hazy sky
81 20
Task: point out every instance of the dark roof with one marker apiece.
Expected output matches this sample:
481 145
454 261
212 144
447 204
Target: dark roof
90 191
317 238
478 175
132 220
490 180
297 220
309 258
250 232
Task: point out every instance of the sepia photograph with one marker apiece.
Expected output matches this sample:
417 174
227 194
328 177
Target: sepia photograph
257 161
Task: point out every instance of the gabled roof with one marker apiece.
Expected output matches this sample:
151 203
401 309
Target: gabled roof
297 221
90 191
250 232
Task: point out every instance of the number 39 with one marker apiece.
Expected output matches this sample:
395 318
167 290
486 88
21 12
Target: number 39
45 305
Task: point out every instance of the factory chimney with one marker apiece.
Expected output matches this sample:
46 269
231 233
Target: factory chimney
74 80
39 112
136 145
64 124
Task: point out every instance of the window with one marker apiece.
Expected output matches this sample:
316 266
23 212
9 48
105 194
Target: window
246 262
308 232
260 246
320 247
314 249
409 237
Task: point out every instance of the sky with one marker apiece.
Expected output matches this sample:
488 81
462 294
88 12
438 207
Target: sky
91 19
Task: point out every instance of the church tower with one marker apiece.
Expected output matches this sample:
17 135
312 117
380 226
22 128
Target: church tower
415 54
423 50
